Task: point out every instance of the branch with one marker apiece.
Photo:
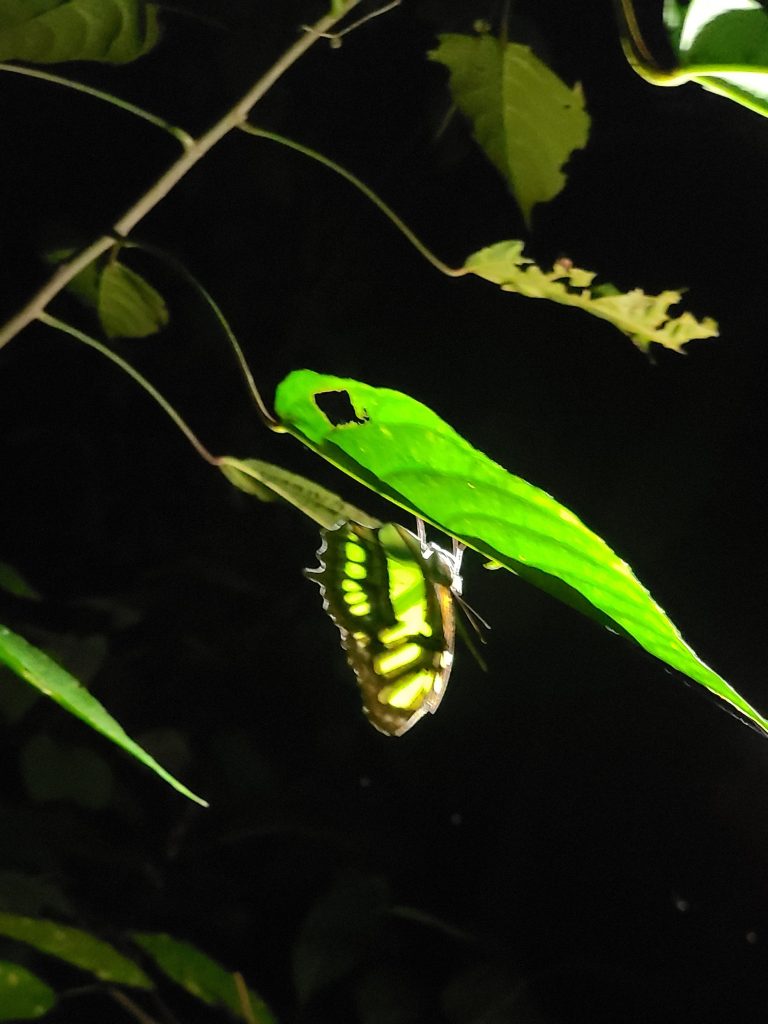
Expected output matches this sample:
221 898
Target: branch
157 192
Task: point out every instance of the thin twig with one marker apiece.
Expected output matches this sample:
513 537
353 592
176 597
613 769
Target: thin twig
164 404
133 1008
244 997
336 37
157 192
179 134
261 406
388 212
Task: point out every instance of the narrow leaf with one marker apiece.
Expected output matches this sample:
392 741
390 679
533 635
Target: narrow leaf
643 318
52 31
525 118
404 451
268 483
201 976
76 947
22 995
37 669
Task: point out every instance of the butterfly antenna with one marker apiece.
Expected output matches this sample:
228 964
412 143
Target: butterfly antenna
465 634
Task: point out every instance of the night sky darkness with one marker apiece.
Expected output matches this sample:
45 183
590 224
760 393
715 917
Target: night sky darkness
577 835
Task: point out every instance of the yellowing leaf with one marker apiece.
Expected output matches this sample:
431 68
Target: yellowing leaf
525 118
643 318
273 483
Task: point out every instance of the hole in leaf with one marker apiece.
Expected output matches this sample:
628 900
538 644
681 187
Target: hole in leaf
337 408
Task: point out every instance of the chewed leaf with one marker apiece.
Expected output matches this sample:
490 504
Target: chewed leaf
203 977
76 947
52 31
37 669
525 118
23 996
643 318
404 451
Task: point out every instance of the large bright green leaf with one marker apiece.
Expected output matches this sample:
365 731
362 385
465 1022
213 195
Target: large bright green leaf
525 118
202 976
52 31
644 318
403 450
45 675
76 947
22 995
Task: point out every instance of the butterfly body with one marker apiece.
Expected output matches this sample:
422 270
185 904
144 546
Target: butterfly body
392 597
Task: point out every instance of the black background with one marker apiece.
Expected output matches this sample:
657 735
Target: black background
577 835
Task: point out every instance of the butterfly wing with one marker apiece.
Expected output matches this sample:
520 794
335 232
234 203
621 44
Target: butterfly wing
391 600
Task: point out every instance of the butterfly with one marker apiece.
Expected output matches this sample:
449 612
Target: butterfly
391 594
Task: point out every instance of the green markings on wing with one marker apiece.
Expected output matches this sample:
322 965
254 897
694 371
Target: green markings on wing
392 599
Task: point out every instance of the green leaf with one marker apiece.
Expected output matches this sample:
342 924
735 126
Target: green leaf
404 451
643 318
525 118
270 483
723 46
52 31
51 679
201 976
736 33
128 306
76 947
12 582
22 995
338 933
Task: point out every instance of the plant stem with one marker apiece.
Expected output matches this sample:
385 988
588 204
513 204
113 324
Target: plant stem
264 414
179 134
157 192
388 212
244 997
142 381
